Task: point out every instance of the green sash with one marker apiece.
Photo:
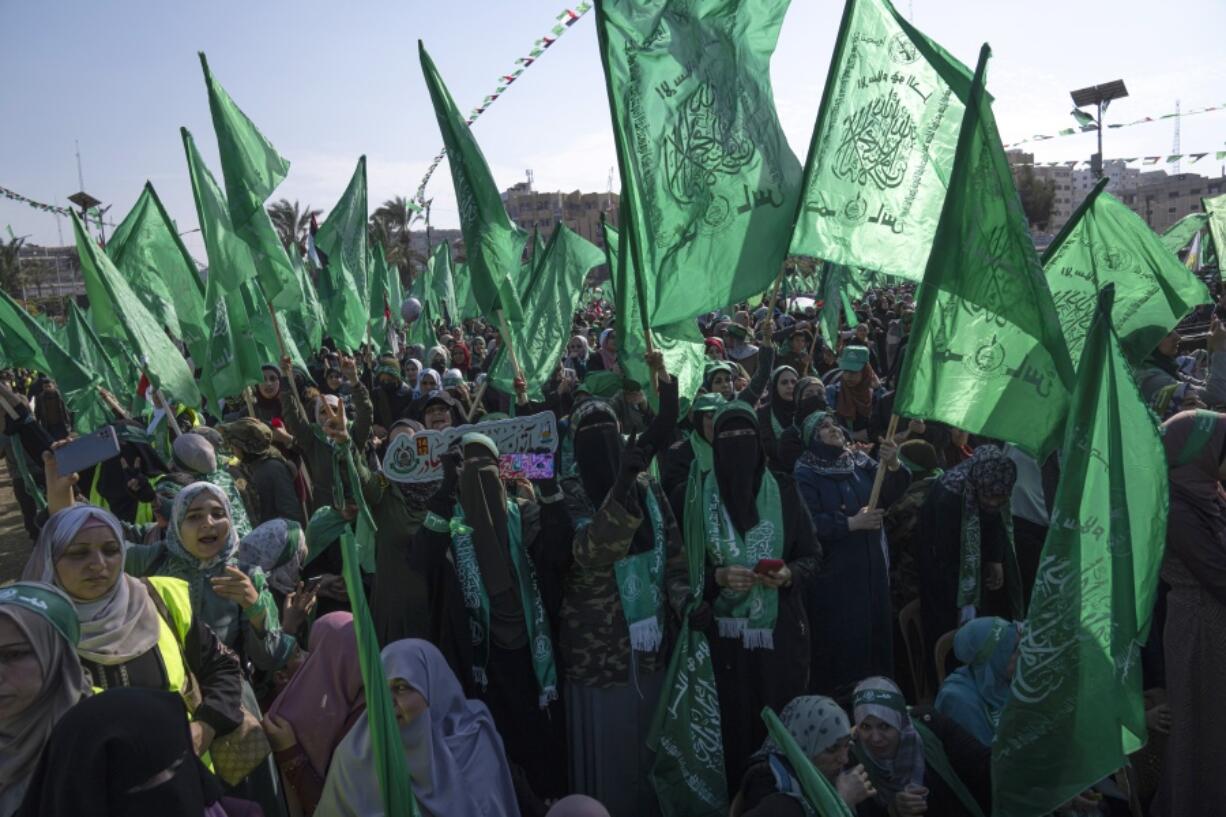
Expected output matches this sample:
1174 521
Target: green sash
640 584
970 561
477 602
748 615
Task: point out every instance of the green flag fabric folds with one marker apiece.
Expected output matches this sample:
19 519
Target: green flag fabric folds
86 348
148 251
26 343
1076 709
883 147
1215 208
252 169
343 286
438 265
1180 234
157 355
549 304
710 180
494 245
1106 243
986 352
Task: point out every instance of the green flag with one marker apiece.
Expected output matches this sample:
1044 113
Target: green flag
883 146
819 794
986 353
1076 711
376 266
395 294
252 169
549 308
1180 234
494 245
27 344
711 183
390 768
465 302
1215 208
681 343
1106 243
438 265
343 282
307 321
148 251
157 355
86 347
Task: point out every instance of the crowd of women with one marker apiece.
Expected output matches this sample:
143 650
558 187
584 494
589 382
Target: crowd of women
181 642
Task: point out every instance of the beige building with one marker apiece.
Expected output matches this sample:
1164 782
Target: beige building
534 210
1064 202
1163 199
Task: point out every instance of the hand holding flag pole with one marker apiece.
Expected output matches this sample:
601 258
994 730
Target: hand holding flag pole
880 477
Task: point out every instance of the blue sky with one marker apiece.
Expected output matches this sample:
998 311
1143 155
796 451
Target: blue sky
328 81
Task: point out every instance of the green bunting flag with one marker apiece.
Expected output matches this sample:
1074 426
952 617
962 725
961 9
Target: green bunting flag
27 344
157 355
986 353
494 245
1215 209
390 768
344 290
1106 243
1180 234
252 169
549 306
147 249
819 794
1076 710
711 183
883 146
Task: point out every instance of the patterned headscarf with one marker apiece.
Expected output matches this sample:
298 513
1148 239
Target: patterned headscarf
989 472
183 501
816 722
248 436
881 698
277 547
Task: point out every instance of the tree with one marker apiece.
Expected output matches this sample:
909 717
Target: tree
392 226
12 276
1038 196
292 222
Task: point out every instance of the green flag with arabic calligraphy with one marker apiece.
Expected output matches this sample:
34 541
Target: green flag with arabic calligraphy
148 251
1106 243
883 147
986 352
710 180
493 244
86 347
1076 709
344 289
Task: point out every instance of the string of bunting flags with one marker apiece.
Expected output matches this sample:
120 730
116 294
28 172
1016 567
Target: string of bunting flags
12 195
563 21
1192 158
1087 124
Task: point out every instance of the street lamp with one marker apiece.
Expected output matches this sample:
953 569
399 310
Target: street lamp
1100 95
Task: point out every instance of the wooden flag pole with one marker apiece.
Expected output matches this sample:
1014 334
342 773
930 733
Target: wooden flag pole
280 345
506 337
472 410
877 480
248 400
770 313
813 350
171 419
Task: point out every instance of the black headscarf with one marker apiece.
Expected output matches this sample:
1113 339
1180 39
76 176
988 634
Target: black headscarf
784 410
127 753
484 500
807 405
738 463
598 448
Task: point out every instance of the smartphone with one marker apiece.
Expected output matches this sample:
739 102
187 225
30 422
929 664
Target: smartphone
312 583
765 566
87 451
529 466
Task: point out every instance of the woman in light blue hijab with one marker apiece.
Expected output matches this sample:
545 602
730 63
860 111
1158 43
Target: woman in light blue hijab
974 694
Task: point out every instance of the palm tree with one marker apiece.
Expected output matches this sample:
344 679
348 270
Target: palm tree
392 225
12 276
292 222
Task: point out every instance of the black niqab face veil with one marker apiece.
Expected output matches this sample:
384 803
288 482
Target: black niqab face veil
598 448
738 465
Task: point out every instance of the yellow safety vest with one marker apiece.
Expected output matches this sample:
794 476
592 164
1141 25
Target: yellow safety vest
144 510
